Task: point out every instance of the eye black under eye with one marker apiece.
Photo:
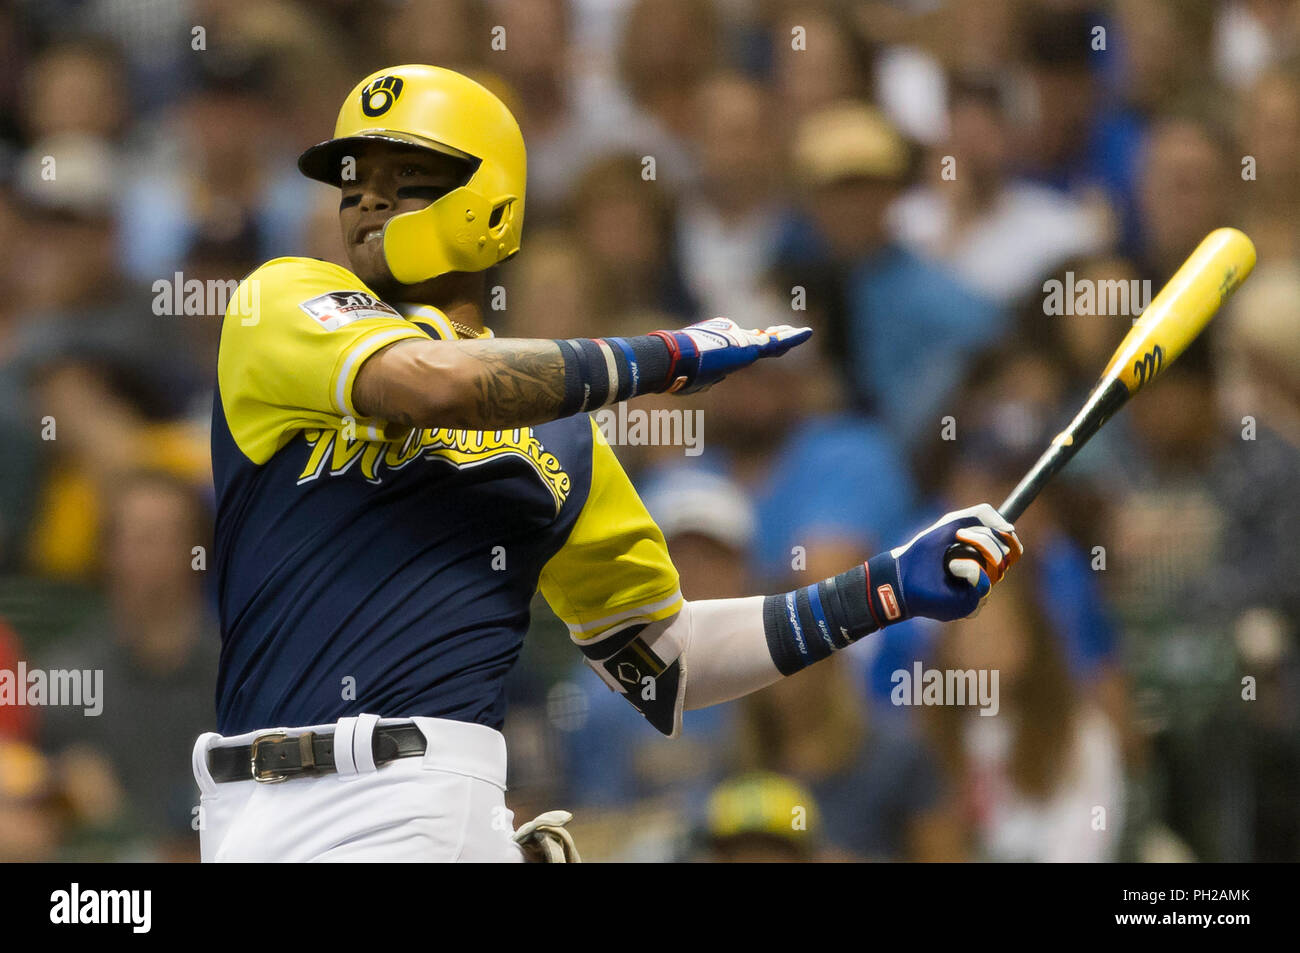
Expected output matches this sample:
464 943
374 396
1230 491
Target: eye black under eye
421 192
348 201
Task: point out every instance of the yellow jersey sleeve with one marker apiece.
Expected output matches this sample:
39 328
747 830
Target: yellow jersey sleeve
614 568
294 336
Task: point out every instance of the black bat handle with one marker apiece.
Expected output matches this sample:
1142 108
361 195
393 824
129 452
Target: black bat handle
1106 398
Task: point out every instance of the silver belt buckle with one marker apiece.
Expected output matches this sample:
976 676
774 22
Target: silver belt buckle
258 776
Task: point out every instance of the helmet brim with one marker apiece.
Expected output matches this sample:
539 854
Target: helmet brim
323 161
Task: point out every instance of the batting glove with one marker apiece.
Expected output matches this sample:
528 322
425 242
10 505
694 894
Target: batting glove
705 353
913 580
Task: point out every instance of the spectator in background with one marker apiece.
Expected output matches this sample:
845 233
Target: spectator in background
1184 193
217 173
729 226
20 463
76 87
66 187
550 292
1076 139
709 522
95 368
309 54
1269 133
450 33
153 37
1261 389
901 325
875 781
997 233
536 63
1076 340
157 646
102 433
1252 35
623 225
829 485
30 822
573 107
668 47
1072 324
833 63
1199 524
1163 46
760 818
1030 779
1167 518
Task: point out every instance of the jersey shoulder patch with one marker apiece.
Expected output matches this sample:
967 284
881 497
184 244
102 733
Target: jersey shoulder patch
290 361
334 309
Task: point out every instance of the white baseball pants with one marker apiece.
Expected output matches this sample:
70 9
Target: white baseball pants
448 805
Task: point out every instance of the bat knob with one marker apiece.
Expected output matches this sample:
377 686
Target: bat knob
958 551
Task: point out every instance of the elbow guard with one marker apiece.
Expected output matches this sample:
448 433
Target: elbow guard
646 663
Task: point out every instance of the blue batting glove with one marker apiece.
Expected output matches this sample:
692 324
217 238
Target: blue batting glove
912 580
705 353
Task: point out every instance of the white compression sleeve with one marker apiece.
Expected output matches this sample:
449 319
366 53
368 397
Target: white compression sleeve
725 651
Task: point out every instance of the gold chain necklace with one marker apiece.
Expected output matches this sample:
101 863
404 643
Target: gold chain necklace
465 332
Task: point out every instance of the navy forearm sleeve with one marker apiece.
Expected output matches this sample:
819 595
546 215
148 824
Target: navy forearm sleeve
600 371
808 624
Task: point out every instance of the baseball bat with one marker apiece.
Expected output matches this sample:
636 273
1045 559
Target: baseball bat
1169 324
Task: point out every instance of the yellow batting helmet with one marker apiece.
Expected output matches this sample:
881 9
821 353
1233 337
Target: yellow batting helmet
471 227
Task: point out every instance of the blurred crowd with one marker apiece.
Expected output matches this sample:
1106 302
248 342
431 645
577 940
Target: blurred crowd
908 178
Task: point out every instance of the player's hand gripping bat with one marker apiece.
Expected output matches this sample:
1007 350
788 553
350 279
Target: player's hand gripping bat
1171 321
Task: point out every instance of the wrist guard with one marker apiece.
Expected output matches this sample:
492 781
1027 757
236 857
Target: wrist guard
600 371
808 624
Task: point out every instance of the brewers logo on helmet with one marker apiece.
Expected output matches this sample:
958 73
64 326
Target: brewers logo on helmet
472 227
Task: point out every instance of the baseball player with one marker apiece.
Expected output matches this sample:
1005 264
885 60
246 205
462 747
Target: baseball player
394 484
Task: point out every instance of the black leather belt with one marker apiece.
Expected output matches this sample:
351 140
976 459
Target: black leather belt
276 757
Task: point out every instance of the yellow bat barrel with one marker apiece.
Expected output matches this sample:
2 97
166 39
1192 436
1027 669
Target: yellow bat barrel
1183 307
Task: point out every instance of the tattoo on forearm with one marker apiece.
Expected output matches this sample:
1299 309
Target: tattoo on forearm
499 383
518 381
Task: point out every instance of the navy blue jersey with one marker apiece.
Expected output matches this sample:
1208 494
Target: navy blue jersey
393 575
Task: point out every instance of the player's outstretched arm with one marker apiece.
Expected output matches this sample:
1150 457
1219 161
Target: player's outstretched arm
725 648
515 382
806 625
